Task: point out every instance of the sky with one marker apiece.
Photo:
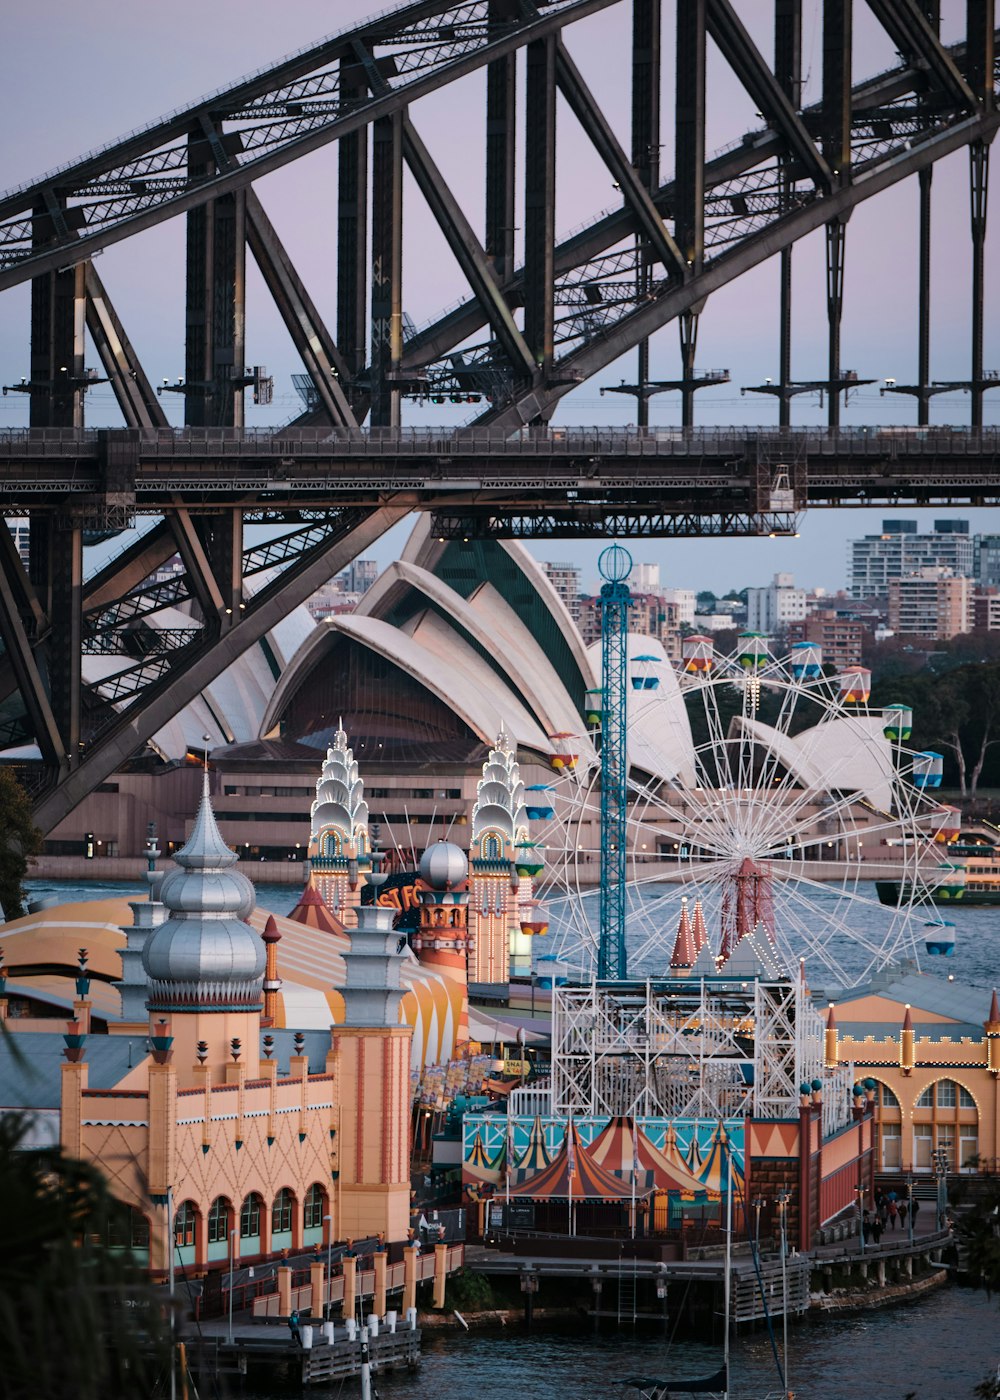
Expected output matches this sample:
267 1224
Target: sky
78 76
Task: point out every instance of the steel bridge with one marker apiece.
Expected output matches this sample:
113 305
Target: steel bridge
541 316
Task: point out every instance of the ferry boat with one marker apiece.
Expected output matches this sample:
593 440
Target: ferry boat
975 880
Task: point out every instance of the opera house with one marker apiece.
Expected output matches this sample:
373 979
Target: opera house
456 642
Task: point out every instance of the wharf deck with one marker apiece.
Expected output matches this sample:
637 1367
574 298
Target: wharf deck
747 1302
320 1363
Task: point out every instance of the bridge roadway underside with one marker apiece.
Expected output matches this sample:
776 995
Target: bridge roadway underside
571 482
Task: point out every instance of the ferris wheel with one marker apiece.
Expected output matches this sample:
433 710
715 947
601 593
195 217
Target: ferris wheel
764 796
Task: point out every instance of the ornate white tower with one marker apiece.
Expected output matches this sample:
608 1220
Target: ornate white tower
499 825
338 838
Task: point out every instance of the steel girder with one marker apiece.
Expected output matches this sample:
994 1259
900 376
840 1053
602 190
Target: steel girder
204 158
183 674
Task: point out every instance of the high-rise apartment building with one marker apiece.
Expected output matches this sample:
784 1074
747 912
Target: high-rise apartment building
650 615
770 610
931 603
899 550
20 529
841 638
684 600
987 560
565 579
645 578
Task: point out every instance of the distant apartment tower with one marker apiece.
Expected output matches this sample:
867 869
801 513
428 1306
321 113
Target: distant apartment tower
771 610
840 637
987 560
899 550
645 578
649 616
986 610
684 600
565 579
20 530
359 576
931 603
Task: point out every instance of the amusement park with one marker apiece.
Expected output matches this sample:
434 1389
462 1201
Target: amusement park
420 974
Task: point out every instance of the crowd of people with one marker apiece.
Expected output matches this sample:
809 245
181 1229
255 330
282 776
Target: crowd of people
888 1213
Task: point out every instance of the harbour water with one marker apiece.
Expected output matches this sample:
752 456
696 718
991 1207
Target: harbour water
939 1347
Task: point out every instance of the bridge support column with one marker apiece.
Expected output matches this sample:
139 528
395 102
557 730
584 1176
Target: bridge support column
539 201
58 313
788 71
222 537
979 170
924 300
837 102
215 319
66 639
836 237
646 16
387 269
689 175
352 231
501 132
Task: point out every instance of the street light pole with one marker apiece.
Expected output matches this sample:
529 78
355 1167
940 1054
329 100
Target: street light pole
328 1222
861 1214
232 1266
909 1205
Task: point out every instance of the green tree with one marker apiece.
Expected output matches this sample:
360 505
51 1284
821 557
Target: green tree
79 1321
957 713
20 839
706 601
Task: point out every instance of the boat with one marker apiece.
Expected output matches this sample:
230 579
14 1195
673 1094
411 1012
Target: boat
972 880
718 1383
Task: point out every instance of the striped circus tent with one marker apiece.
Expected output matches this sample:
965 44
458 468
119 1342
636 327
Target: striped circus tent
573 1175
692 1157
686 1179
479 1165
312 911
536 1156
621 1144
720 1165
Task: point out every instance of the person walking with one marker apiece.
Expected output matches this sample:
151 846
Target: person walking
293 1326
914 1208
893 1214
877 1229
866 1226
901 1207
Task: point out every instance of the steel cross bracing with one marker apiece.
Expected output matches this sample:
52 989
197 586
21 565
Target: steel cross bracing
597 293
523 337
691 1048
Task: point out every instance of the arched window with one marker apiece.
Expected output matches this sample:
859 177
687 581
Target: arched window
331 843
185 1222
886 1098
281 1211
218 1221
315 1208
250 1217
491 847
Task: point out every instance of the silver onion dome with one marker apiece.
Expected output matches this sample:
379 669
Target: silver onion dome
204 956
443 866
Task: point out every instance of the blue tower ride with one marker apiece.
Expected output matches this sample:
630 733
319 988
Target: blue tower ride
615 565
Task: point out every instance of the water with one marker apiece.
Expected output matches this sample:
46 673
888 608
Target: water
939 1347
815 921
276 899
